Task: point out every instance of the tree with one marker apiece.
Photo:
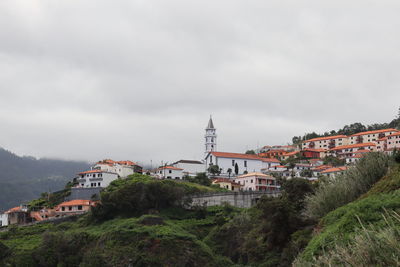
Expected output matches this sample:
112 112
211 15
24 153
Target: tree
200 178
250 152
214 169
236 169
229 172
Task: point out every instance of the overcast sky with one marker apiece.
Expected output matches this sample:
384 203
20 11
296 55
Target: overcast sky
138 80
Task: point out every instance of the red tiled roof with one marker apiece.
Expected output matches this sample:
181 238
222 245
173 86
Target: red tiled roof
15 209
325 138
352 146
77 202
336 169
235 155
170 168
375 132
254 174
315 149
290 154
270 160
322 167
126 162
395 134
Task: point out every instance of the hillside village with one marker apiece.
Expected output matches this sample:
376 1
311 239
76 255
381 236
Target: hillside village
256 170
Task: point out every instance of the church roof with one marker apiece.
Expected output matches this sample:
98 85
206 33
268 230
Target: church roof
210 124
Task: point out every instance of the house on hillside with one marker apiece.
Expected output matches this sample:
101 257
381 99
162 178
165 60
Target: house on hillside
313 153
74 207
190 167
122 168
169 172
257 182
325 142
344 152
95 178
18 215
333 172
270 162
227 183
243 163
4 219
370 136
393 141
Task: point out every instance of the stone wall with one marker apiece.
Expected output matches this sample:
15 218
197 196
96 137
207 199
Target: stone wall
245 199
84 193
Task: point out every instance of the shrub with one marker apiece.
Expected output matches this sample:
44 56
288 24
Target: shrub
347 187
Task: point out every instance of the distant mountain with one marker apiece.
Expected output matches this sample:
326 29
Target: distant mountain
24 178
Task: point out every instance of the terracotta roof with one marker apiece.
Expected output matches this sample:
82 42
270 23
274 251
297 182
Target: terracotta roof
395 134
361 151
235 155
336 169
375 132
270 160
77 202
352 146
322 167
126 162
170 168
15 209
254 174
315 149
290 153
325 138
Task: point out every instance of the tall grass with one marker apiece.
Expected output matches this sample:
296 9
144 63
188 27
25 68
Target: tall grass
371 246
345 188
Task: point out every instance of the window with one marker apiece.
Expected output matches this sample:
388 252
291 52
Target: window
251 181
169 171
70 208
98 184
80 207
63 208
233 162
210 159
245 163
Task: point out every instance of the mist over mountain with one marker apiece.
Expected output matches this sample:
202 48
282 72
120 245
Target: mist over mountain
24 178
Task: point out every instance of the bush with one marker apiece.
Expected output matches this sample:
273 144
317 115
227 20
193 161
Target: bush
347 187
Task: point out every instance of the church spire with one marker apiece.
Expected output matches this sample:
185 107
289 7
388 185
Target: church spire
210 137
210 124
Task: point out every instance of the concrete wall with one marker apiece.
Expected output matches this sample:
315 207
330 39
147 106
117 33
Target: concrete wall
237 199
84 193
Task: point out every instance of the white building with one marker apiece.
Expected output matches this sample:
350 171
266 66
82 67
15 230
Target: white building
393 141
95 178
270 162
169 172
210 138
325 142
3 219
190 167
243 163
122 168
370 136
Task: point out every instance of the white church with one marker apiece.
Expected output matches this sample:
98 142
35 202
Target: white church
230 164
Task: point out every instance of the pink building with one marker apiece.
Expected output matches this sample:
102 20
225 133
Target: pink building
393 141
257 182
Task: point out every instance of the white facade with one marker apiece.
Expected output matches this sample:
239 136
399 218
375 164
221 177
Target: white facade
268 163
122 171
169 172
225 161
370 136
325 142
210 138
393 141
4 219
96 178
190 167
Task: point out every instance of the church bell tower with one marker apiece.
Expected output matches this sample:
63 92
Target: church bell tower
211 137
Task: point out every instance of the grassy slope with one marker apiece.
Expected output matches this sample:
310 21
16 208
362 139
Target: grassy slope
342 223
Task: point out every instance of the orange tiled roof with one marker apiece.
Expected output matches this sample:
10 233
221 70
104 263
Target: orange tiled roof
170 168
395 134
91 171
77 202
126 162
290 154
235 155
15 209
270 160
336 169
352 146
315 149
375 132
325 138
225 180
322 167
254 174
